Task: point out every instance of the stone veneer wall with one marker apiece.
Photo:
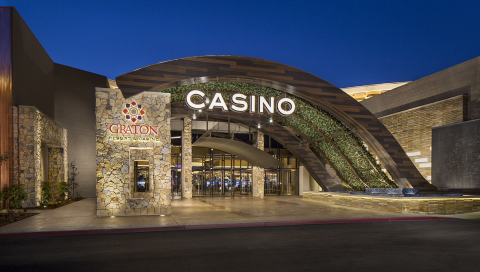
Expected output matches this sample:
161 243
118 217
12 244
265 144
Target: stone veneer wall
56 168
115 156
258 179
32 129
187 158
413 129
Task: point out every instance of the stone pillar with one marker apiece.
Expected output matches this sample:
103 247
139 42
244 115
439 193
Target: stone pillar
32 129
258 174
27 146
128 131
56 168
187 158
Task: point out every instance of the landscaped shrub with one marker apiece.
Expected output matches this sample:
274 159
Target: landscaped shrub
15 195
46 196
62 189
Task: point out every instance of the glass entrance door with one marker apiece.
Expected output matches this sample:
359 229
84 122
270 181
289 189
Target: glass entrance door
218 174
176 177
245 181
288 182
272 185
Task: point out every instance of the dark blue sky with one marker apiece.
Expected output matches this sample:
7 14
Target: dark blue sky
347 43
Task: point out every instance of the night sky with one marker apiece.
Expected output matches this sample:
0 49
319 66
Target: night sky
347 43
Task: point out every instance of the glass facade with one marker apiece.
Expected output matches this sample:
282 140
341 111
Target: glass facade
176 171
284 179
217 173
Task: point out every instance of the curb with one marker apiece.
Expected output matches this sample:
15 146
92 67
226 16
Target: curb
219 226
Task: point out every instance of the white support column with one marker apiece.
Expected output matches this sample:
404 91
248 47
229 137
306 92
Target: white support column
304 180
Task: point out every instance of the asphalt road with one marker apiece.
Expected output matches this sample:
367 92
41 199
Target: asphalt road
452 245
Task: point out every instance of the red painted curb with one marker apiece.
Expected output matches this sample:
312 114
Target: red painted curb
219 226
443 218
297 223
410 219
363 220
225 226
43 233
423 218
133 230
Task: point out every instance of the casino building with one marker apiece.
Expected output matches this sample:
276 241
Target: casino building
227 126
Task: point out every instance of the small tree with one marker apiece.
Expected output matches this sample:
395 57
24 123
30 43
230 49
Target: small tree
62 189
3 158
47 196
15 195
72 184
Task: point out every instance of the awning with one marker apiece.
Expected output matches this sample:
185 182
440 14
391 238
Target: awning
251 154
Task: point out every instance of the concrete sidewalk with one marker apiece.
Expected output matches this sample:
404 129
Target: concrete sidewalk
204 213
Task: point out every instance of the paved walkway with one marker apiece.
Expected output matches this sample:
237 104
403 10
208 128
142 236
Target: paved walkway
204 213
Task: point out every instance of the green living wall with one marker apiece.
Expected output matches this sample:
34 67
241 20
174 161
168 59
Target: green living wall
326 135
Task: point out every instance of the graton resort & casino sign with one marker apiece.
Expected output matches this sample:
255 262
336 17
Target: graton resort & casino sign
143 133
239 103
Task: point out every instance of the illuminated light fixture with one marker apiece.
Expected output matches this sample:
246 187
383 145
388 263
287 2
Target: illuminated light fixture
200 110
113 216
176 137
258 126
207 100
194 116
271 120
162 215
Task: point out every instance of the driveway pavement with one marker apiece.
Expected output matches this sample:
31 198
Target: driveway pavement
204 213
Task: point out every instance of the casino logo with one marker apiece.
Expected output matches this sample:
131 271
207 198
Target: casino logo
133 111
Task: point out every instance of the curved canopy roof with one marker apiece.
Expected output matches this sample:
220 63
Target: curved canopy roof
245 151
295 82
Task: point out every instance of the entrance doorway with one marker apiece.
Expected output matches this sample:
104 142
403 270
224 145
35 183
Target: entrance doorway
216 173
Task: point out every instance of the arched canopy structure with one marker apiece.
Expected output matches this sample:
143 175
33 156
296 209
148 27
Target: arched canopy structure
329 123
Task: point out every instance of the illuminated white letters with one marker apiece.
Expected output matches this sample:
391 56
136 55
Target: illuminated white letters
263 103
252 104
239 99
239 104
218 101
285 100
189 100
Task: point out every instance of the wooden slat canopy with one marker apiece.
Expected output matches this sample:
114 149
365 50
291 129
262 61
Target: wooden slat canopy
293 81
